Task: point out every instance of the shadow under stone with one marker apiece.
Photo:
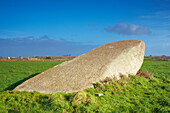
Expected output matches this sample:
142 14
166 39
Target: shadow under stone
11 87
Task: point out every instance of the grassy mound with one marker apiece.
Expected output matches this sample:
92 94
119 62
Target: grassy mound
142 93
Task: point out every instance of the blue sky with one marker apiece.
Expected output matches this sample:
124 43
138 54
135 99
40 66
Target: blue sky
60 27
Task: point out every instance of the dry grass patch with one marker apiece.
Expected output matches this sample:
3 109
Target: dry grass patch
145 74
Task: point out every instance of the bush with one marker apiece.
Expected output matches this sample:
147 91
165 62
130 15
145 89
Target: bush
48 57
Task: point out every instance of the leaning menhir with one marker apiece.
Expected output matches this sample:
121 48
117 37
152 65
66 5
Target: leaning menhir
110 60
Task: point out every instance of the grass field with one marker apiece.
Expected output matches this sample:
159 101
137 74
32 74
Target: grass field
132 94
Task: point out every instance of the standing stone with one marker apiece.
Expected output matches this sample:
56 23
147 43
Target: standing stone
110 60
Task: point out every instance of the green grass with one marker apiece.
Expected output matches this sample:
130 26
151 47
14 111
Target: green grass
132 94
13 73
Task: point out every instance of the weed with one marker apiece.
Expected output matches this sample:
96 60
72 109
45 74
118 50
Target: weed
145 74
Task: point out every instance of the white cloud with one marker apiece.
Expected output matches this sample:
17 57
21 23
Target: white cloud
43 46
125 29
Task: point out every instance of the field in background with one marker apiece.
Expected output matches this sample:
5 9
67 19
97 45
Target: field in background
38 58
133 94
69 57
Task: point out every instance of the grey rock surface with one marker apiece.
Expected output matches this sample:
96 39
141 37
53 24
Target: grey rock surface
110 60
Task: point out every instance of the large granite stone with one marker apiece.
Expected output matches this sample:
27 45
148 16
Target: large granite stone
110 60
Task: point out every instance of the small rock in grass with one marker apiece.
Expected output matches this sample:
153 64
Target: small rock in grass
99 94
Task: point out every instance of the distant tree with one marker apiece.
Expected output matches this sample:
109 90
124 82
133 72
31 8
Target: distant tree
164 56
48 57
150 57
